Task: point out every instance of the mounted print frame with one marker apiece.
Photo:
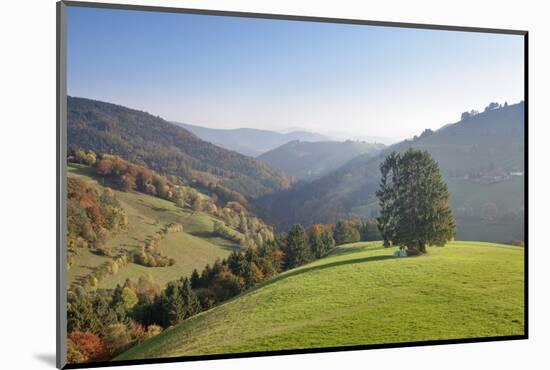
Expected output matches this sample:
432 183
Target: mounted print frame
236 184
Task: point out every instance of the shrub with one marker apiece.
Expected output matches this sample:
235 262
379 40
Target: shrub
118 338
152 330
90 345
74 356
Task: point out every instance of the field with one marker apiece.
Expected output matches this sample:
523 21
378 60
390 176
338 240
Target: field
361 294
193 248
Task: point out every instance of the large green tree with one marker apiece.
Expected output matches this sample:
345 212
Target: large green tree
414 202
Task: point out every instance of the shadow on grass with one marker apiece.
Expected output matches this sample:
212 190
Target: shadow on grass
343 251
323 267
202 234
81 170
207 236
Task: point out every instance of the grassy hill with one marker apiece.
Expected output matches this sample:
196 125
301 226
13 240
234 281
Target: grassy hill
361 294
144 139
250 141
308 161
475 155
193 248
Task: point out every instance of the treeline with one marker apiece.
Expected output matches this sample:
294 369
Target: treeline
91 217
242 270
227 278
355 230
252 232
115 320
149 255
100 324
123 175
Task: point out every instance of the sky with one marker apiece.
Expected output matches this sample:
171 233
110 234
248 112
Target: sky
346 80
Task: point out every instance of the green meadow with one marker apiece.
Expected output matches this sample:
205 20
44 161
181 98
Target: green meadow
362 294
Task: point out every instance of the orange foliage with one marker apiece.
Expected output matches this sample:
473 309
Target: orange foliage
90 345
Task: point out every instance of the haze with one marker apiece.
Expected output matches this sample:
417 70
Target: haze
226 72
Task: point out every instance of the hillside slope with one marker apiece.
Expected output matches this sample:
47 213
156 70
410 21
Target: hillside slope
476 156
250 141
193 248
145 139
308 161
361 294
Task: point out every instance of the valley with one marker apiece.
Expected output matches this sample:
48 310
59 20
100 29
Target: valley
185 248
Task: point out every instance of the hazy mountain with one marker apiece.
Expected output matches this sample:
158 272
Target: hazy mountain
250 141
166 148
308 161
480 157
336 135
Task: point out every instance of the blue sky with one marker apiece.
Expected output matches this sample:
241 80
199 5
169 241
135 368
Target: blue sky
227 72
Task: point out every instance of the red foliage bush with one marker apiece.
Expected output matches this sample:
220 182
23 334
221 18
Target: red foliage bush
90 345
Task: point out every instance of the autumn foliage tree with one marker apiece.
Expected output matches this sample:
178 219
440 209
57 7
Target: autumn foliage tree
90 345
321 240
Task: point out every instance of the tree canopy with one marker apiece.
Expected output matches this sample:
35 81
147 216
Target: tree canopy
414 202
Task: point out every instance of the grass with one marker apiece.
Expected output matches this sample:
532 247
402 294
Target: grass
361 294
193 248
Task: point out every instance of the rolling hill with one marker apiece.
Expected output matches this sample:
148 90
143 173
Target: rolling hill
308 161
166 148
193 248
250 141
481 159
361 294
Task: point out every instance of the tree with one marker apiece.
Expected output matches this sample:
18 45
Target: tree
491 106
189 298
345 233
173 307
196 204
389 172
118 338
195 279
315 242
74 356
129 298
371 231
296 248
320 240
414 202
127 183
252 274
90 345
81 315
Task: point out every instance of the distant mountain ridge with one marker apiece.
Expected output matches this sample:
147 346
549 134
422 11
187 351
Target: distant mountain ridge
308 161
477 154
166 148
250 141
